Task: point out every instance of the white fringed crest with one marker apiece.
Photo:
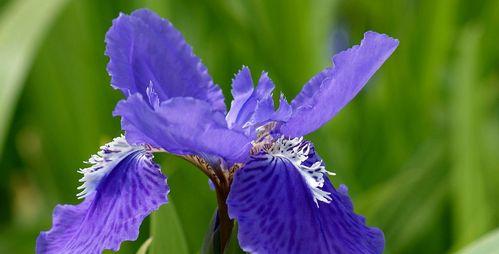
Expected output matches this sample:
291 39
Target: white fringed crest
103 163
297 152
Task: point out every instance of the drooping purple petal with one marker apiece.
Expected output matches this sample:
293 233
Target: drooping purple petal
276 213
112 213
144 48
253 107
330 90
182 126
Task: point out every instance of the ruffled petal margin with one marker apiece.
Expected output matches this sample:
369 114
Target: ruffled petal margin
144 48
112 213
330 90
254 107
276 213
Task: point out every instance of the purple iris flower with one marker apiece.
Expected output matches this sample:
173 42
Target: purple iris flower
266 176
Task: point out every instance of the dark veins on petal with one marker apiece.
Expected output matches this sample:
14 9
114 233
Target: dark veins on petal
112 214
276 213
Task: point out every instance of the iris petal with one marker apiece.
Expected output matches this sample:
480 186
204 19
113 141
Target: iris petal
330 90
243 102
265 112
276 213
112 213
254 107
182 126
144 48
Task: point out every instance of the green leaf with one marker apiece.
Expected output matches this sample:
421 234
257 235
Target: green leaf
167 232
395 202
233 244
145 246
470 197
22 26
487 244
211 244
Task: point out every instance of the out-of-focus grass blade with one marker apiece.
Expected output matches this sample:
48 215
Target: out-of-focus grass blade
438 43
145 246
424 213
193 199
70 97
472 215
378 198
488 244
394 203
22 26
167 232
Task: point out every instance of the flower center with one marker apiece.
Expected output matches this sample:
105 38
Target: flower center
298 152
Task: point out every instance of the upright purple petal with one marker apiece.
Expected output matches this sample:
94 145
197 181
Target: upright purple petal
328 92
182 126
242 91
144 48
253 107
277 213
112 213
265 112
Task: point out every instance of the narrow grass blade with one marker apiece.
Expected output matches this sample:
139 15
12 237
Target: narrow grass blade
395 203
167 232
145 246
472 215
22 26
488 244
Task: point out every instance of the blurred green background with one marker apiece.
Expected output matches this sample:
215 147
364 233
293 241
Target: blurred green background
418 148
